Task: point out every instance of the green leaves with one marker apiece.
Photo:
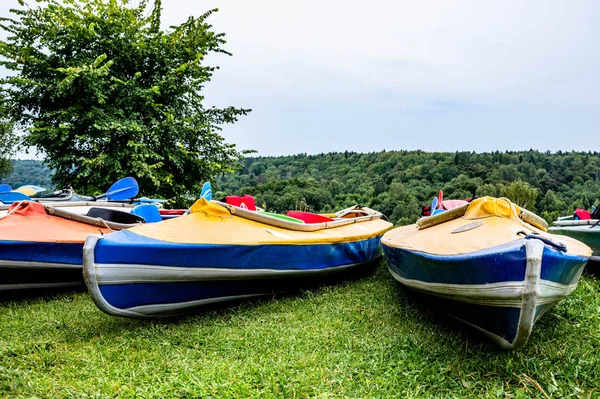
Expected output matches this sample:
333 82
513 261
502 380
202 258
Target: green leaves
104 93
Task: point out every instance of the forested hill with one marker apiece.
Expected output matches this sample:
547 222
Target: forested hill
28 172
398 183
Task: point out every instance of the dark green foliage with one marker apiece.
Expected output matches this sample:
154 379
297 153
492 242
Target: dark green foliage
104 93
29 172
8 140
398 183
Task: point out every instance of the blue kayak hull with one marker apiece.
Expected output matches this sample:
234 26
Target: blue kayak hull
134 276
39 265
501 291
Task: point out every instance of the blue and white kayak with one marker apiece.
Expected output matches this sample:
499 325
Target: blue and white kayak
488 264
220 252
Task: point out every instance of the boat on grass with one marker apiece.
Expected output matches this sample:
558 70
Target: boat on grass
221 252
41 247
583 226
489 264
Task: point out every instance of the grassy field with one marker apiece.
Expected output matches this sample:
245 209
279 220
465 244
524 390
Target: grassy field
360 339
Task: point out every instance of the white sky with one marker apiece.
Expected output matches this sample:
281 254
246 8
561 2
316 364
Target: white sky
449 75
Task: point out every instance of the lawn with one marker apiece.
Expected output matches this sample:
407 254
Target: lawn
366 338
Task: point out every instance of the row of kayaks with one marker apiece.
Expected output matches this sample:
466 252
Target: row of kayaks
487 263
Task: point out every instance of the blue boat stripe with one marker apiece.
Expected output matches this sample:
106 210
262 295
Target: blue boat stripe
44 252
502 263
128 248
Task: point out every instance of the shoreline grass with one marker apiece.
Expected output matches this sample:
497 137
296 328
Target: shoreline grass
360 339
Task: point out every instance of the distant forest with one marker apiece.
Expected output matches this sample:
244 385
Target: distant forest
29 172
399 183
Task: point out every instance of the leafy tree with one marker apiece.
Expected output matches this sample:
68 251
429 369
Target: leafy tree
103 92
8 141
521 193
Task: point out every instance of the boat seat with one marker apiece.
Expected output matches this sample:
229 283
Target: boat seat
113 215
245 202
582 214
149 212
452 204
308 217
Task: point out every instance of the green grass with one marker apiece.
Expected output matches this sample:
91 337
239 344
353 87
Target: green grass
360 339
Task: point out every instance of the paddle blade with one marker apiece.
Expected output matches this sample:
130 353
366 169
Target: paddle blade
4 188
10 197
441 199
434 205
206 191
30 190
123 189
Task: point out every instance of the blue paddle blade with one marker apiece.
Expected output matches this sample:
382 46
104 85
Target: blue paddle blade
206 191
123 189
9 198
434 205
4 188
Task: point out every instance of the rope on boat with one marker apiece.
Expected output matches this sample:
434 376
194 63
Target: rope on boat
12 210
558 245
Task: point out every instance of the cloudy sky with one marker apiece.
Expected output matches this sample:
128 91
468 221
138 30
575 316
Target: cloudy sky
447 75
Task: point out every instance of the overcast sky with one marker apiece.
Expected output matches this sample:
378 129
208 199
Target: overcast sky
448 75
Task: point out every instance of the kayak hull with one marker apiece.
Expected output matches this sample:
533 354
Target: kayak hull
146 278
501 291
42 247
491 265
35 265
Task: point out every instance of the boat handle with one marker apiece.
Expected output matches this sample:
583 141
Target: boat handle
558 245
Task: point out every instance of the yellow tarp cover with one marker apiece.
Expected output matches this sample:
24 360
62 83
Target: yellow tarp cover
488 222
489 206
210 223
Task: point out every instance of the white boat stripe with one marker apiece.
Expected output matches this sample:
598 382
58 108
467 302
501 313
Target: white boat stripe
505 294
37 265
130 274
11 287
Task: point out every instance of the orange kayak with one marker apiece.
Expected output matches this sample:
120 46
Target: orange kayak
39 249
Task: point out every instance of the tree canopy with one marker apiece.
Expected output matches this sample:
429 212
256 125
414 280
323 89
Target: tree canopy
398 183
103 92
8 140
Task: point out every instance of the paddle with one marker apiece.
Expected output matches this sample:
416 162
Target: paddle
10 197
434 207
4 188
123 189
145 200
206 191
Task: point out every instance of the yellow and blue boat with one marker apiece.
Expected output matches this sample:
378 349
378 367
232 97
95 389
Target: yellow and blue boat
489 264
221 252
